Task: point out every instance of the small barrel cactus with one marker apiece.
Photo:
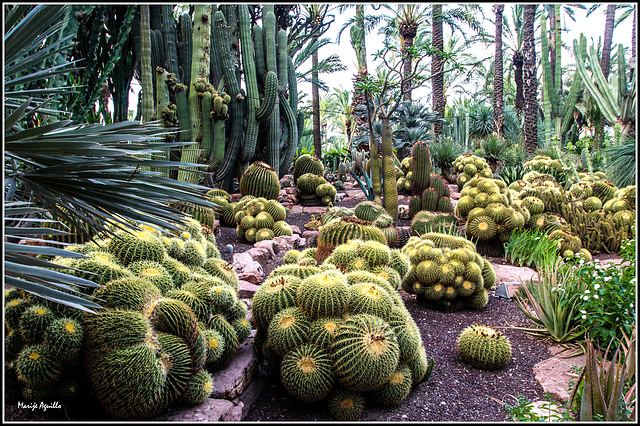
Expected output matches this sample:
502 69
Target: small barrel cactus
484 347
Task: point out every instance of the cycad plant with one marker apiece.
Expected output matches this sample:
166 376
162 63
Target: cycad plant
443 154
91 177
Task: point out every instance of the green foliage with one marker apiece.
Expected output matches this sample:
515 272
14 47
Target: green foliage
607 306
444 153
553 304
531 247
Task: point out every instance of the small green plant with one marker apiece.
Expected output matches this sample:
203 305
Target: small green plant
607 305
553 303
523 410
530 247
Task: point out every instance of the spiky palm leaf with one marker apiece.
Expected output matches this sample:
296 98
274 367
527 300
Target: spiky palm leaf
90 176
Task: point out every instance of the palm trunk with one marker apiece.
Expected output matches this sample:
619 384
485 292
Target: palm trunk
517 63
406 83
498 99
530 81
315 105
437 81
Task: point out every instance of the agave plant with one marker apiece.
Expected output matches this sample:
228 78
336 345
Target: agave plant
92 177
549 305
443 154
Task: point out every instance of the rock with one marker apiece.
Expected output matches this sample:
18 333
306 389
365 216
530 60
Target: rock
240 261
291 191
295 229
252 392
548 411
455 196
254 276
513 274
212 410
269 245
246 289
314 209
347 198
261 254
286 242
310 234
228 249
554 374
297 209
355 193
231 381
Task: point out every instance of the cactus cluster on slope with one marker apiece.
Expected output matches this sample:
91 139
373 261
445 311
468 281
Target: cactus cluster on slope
447 273
468 166
488 208
316 322
172 315
259 219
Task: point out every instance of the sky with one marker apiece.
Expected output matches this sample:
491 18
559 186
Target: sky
592 27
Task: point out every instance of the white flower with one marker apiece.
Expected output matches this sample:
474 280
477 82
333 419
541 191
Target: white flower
582 311
587 291
607 278
596 296
585 298
584 317
596 287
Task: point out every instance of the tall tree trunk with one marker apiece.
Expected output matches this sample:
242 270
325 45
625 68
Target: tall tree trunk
437 80
530 81
406 83
517 63
498 99
633 44
315 105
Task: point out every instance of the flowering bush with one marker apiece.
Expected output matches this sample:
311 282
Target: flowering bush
607 308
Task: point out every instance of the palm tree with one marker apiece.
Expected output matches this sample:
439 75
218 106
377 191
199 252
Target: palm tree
88 176
409 17
498 99
530 80
342 111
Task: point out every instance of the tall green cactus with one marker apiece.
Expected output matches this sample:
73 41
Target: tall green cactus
389 171
249 66
271 60
199 63
617 107
421 168
145 64
225 170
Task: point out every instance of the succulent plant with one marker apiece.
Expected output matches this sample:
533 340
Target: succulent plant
484 347
260 180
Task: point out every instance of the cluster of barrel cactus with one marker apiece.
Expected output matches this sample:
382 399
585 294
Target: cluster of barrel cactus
489 210
484 347
447 273
315 190
260 180
307 163
43 343
426 221
259 219
404 176
429 191
544 164
468 165
342 230
315 323
171 316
